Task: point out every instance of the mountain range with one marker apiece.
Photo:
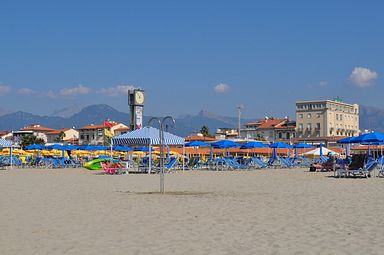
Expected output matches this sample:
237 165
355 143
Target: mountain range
370 118
96 114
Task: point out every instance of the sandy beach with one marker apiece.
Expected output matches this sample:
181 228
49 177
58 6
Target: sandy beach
76 211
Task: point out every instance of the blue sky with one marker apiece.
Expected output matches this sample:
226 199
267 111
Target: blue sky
190 55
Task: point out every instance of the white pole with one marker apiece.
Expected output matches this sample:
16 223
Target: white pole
183 157
11 156
150 159
111 149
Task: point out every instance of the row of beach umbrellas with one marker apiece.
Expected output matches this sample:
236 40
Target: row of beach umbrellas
225 144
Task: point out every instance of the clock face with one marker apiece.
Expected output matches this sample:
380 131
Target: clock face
139 97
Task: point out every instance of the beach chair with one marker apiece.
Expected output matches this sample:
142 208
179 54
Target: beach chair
357 168
258 162
381 172
171 164
285 162
108 168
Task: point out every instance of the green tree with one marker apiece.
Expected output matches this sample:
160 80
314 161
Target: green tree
204 130
31 139
59 138
260 137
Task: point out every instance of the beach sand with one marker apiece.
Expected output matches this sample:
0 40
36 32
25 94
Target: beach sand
76 211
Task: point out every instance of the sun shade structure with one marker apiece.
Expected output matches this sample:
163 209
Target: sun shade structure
147 136
317 152
5 143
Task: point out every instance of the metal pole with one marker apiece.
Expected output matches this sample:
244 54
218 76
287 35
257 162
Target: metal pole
239 120
162 151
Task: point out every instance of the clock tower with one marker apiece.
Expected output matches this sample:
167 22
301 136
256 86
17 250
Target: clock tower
136 101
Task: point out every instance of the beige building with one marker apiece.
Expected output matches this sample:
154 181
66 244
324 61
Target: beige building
99 134
324 118
70 136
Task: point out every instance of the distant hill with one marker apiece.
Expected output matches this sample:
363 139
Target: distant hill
96 114
370 117
66 112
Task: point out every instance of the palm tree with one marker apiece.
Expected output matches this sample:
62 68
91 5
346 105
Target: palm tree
31 139
60 137
204 130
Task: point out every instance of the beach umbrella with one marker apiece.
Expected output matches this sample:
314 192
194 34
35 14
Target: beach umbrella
321 150
71 147
252 145
302 146
196 144
347 140
34 147
280 145
122 148
37 147
143 149
372 137
225 144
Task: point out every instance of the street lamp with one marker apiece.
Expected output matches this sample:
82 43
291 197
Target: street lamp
239 107
287 136
161 143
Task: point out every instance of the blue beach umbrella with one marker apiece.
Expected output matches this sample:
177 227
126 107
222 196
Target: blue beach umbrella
122 148
37 147
143 149
321 150
252 145
280 145
372 137
225 144
302 146
196 144
346 140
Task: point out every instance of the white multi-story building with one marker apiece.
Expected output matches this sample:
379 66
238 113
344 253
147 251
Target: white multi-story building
324 118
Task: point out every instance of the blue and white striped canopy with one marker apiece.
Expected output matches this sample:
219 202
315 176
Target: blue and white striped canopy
147 136
5 143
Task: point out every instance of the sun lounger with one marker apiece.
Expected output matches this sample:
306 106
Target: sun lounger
258 162
364 171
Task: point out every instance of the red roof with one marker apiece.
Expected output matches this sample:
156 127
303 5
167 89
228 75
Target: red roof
92 127
57 132
271 123
199 138
122 129
37 127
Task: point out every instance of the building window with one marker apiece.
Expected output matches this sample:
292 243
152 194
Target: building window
318 115
309 126
318 126
301 127
280 135
337 116
82 137
300 116
309 116
341 117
